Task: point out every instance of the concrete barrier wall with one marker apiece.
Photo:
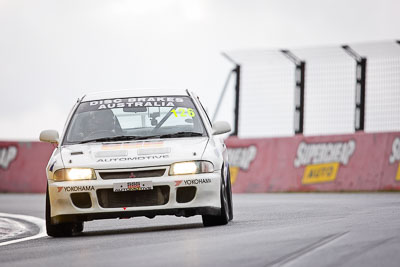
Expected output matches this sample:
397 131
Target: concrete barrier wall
355 162
22 166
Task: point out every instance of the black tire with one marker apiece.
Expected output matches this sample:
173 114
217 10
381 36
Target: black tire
212 220
229 188
62 229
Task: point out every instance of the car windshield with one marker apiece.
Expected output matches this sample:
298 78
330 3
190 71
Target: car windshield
134 118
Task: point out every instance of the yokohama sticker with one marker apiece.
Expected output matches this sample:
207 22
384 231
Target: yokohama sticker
75 188
322 160
193 182
395 156
240 158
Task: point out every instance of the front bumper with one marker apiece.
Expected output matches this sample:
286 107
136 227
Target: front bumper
206 199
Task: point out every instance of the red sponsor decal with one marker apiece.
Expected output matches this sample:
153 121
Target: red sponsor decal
177 183
59 188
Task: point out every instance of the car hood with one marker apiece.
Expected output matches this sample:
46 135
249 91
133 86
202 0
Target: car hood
133 154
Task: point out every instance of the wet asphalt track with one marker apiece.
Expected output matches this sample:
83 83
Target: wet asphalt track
267 230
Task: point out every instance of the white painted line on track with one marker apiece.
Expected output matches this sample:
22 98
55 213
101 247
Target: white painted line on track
37 221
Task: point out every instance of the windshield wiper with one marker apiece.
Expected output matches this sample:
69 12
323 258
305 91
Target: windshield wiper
113 138
132 137
181 134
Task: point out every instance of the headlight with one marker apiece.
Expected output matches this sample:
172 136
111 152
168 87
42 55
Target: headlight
74 174
191 167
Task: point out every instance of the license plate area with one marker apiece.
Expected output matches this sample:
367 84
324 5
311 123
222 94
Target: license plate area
133 186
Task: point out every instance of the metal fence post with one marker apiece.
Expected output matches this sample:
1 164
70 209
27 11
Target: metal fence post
237 100
299 91
361 75
237 94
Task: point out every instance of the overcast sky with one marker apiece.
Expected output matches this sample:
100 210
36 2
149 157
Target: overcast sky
52 52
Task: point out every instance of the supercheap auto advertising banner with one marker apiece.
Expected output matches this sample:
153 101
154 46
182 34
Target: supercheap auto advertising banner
354 162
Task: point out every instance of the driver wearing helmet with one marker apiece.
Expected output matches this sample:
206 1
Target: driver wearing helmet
101 123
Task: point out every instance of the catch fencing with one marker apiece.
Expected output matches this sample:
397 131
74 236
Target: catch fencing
317 91
316 119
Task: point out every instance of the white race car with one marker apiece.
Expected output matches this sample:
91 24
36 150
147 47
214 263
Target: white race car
135 153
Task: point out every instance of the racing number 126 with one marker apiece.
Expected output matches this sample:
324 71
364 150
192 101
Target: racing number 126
182 112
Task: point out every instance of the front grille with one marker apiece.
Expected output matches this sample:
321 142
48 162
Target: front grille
156 197
132 174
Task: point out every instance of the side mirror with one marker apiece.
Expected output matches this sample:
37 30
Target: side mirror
50 136
220 127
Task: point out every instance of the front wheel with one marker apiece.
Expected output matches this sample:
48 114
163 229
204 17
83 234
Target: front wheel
223 218
62 229
230 201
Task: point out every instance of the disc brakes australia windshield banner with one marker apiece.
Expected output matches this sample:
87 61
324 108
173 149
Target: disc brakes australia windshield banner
355 162
135 102
23 166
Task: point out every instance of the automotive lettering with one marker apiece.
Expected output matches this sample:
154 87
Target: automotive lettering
133 158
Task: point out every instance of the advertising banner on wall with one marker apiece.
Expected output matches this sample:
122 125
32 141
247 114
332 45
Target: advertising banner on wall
22 166
354 162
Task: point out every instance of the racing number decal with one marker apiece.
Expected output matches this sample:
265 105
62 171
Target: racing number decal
182 112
